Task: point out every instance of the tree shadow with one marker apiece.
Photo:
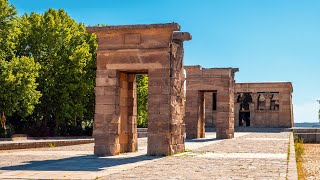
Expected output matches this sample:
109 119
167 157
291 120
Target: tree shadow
80 163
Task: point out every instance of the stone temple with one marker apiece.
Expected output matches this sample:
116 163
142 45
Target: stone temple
261 105
212 99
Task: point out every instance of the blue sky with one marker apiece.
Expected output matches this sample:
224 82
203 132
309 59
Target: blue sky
269 40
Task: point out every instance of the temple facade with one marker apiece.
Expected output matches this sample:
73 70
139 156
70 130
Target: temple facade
215 100
263 105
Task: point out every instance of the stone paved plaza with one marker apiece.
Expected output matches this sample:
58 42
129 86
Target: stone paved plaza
248 156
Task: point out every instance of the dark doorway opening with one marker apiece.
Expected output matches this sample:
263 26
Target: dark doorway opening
244 119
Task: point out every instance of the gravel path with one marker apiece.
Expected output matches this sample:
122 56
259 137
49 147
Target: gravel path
311 161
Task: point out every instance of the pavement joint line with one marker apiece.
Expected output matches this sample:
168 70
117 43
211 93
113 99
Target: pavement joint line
267 139
117 169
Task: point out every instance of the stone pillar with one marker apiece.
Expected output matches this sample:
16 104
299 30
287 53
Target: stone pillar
253 107
269 120
166 126
236 114
252 114
158 112
194 104
201 115
123 136
128 137
254 97
115 128
268 97
224 123
231 91
177 96
132 114
107 113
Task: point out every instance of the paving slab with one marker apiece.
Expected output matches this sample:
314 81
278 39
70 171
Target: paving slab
248 156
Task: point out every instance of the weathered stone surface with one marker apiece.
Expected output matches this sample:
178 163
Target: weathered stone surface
278 110
123 52
218 82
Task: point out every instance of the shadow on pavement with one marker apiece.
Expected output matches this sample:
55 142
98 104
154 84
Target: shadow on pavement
79 163
202 140
262 130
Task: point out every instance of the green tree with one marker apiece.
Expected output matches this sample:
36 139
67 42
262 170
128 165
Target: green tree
142 100
18 94
8 28
66 53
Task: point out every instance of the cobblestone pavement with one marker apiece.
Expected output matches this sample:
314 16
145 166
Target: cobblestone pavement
311 161
248 156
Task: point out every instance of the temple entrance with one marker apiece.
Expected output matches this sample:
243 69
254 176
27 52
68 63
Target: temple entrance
244 113
210 110
244 118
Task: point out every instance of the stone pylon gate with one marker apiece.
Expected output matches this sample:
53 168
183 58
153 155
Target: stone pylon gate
123 52
219 81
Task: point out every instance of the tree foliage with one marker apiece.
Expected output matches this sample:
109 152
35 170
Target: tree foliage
142 100
18 92
18 87
8 30
18 74
66 53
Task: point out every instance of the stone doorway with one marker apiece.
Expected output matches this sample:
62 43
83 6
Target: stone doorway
210 110
123 52
244 118
244 100
218 81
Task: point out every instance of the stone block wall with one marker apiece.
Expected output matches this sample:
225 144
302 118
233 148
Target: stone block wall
214 80
123 52
281 118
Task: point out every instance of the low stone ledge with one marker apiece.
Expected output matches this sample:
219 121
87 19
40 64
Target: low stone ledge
44 143
309 135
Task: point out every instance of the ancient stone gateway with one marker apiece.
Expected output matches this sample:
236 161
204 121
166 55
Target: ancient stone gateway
123 52
219 82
